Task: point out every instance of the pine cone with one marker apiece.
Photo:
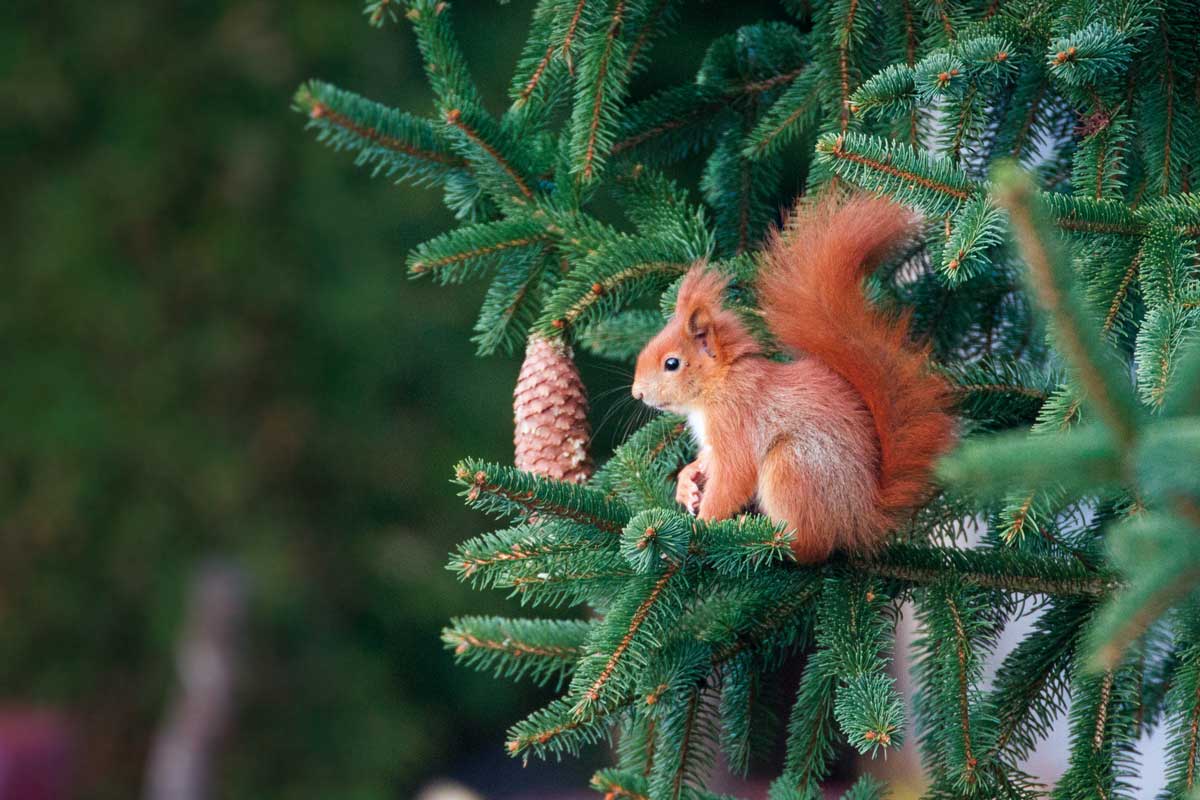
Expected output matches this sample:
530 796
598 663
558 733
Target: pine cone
550 412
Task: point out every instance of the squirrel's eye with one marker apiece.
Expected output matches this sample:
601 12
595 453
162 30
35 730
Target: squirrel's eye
671 364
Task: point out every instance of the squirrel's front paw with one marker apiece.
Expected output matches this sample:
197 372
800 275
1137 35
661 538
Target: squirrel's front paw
689 488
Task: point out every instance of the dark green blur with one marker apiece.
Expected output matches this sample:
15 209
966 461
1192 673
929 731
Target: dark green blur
209 349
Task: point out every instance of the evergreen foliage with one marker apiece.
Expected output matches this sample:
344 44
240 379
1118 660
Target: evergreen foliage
1050 147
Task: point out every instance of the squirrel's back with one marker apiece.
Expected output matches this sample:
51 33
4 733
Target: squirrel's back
810 290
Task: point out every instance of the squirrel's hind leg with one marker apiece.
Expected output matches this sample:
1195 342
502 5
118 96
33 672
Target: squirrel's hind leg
789 491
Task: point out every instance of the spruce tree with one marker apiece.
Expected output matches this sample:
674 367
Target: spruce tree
1050 147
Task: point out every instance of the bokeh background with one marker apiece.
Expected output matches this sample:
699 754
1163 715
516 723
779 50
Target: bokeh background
209 350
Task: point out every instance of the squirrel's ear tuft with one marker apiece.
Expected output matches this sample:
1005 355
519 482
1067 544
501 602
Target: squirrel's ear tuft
704 319
701 289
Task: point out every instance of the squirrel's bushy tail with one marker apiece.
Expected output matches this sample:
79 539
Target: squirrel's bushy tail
810 288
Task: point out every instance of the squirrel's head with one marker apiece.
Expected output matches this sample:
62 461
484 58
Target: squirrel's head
688 358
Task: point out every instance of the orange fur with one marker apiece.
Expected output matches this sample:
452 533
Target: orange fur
813 301
839 443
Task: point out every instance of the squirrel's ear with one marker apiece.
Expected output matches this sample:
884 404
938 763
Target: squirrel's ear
698 304
700 327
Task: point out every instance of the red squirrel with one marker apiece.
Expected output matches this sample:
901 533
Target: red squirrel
839 443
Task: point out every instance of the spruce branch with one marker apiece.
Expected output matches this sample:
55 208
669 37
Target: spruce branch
771 627
636 744
941 75
671 125
445 64
788 119
686 733
388 141
1003 570
380 11
998 393
534 81
464 252
1034 511
854 632
1050 277
538 558
1086 460
772 623
572 29
611 277
541 79
1183 399
1161 554
651 25
640 470
683 108
810 733
601 82
1092 216
867 787
482 142
620 785
594 686
622 336
1183 716
1033 89
1164 334
540 649
747 717
557 729
931 184
849 23
1121 294
1091 55
963 688
1031 688
476 556
1102 737
511 304
889 92
1100 162
975 229
506 491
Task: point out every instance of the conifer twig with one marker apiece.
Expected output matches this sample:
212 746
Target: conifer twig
569 37
1114 307
454 117
843 47
609 282
922 565
1107 394
592 694
535 78
320 111
839 152
648 26
610 40
961 644
425 267
480 484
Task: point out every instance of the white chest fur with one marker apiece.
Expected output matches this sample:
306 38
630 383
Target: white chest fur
699 428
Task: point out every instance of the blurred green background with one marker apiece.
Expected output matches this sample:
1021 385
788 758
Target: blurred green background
209 348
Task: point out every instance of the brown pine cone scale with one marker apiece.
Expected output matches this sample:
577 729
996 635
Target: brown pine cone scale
550 413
